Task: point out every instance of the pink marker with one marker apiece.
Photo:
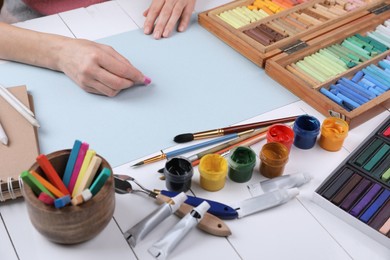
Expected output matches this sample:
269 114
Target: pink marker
76 170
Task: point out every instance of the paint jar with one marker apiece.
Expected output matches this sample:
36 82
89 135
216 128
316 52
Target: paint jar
333 133
306 129
178 173
213 169
241 162
282 134
273 158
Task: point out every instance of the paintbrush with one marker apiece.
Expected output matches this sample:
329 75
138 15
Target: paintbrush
182 138
247 139
167 155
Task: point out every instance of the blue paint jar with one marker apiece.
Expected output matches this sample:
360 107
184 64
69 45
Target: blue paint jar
306 129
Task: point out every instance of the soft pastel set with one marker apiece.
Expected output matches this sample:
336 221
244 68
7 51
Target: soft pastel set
358 190
316 48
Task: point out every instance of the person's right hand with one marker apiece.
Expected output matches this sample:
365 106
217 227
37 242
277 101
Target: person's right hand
97 68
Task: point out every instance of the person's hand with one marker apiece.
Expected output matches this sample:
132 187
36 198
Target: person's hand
162 16
97 68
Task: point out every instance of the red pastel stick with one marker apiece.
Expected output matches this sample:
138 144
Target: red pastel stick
51 173
77 166
387 132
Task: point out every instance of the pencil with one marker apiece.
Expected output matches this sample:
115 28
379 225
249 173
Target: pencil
3 135
18 106
182 138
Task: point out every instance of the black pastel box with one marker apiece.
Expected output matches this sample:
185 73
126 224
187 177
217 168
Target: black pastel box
358 191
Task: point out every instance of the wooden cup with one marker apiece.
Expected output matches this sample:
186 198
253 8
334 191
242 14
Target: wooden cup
71 224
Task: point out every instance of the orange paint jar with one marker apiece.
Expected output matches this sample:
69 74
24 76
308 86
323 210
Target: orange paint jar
333 133
273 158
213 169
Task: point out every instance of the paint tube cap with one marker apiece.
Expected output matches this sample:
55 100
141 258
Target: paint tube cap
178 200
202 208
293 192
301 178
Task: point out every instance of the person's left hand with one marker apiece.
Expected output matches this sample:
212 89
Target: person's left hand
162 16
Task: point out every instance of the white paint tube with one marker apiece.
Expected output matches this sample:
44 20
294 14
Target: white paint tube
162 248
142 228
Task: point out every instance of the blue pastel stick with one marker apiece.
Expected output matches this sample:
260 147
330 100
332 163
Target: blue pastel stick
375 206
354 95
335 90
358 76
376 82
384 65
71 162
372 89
200 145
99 181
331 96
363 92
381 72
62 202
348 101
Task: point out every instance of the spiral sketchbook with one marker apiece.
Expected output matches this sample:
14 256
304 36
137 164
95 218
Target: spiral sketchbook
22 148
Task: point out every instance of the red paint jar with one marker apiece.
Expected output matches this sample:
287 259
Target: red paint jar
281 133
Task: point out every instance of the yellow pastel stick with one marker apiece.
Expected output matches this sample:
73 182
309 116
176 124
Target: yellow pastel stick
87 160
89 174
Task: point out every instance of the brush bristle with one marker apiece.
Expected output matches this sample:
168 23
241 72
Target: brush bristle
183 138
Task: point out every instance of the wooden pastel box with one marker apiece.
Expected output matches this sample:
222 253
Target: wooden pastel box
276 56
259 53
276 68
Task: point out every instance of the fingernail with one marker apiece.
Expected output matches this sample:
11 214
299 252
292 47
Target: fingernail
146 30
147 80
156 35
181 28
166 34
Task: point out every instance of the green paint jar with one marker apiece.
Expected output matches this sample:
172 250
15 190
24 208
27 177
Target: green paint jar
242 160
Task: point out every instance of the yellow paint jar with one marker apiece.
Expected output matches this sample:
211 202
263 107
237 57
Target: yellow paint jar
273 158
333 133
213 169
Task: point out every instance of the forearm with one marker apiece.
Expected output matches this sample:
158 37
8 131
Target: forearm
30 47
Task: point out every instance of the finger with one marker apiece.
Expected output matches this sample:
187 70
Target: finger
98 88
120 69
152 14
163 18
185 18
145 13
112 81
175 16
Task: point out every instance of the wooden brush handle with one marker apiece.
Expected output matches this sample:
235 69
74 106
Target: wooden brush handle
209 223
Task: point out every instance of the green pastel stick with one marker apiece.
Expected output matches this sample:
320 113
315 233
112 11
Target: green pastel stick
311 72
331 56
375 37
100 180
377 157
356 49
333 66
34 184
317 65
386 175
373 42
320 63
368 152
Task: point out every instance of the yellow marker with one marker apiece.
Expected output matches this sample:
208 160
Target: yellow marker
87 159
89 174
